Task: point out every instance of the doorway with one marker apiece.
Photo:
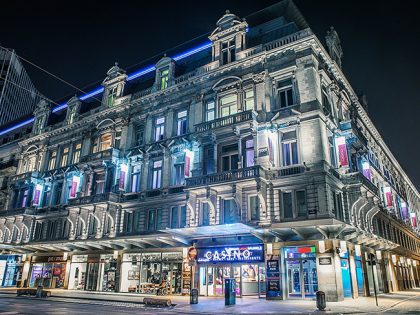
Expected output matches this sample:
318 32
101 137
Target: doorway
92 277
302 278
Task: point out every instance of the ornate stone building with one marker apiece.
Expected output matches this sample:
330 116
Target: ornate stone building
248 156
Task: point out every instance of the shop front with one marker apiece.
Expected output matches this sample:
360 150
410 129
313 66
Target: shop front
244 263
301 271
155 273
47 271
10 270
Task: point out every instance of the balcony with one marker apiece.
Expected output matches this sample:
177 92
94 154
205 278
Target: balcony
10 163
224 177
97 198
286 171
358 178
102 155
152 193
24 176
224 121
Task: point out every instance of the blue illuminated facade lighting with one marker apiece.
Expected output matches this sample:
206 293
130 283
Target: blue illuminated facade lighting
99 90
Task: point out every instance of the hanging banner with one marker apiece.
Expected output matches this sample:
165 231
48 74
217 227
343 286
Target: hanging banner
74 186
37 194
388 196
366 170
413 219
404 211
123 172
187 162
342 151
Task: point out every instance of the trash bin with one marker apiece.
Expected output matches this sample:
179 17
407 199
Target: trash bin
39 291
194 296
320 300
230 291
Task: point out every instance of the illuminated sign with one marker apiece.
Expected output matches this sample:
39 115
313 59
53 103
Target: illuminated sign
37 194
366 170
388 196
342 151
75 182
240 253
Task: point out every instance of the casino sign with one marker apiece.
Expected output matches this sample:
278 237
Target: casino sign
240 253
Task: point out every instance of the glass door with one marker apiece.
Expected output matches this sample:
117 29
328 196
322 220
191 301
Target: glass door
237 275
294 278
92 276
310 277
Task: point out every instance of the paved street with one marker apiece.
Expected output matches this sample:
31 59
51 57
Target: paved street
71 303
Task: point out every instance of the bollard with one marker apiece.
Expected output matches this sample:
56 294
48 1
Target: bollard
194 296
39 291
320 300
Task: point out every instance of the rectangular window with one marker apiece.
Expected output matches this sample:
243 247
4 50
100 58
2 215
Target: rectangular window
228 105
112 94
159 128
64 156
99 183
105 141
249 99
174 218
183 217
157 174
210 111
229 157
159 219
52 160
249 154
326 102
181 123
229 211
205 214
285 93
301 203
164 78
135 178
287 205
254 208
77 149
332 151
289 148
139 136
178 176
151 220
228 52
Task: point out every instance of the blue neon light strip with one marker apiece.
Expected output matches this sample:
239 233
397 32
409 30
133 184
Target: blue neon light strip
99 90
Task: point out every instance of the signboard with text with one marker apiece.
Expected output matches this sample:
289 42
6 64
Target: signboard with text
273 279
239 253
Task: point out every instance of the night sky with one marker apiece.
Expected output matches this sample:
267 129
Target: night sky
80 40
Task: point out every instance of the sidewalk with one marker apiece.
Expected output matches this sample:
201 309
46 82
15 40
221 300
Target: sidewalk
248 305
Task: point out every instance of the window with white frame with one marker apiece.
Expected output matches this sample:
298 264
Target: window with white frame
289 148
210 111
285 93
182 123
228 105
159 128
135 178
156 174
249 99
228 51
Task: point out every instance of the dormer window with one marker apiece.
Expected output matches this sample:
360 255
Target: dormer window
112 94
228 51
164 78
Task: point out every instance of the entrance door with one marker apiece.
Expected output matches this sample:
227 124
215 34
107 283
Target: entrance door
302 278
294 278
92 277
345 274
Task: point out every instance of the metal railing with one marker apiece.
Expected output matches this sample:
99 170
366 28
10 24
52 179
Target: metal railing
227 176
224 121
